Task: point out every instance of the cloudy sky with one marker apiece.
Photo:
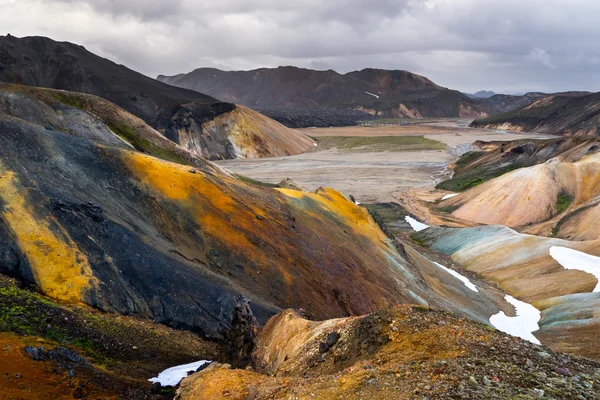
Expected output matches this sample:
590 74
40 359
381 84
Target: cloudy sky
502 45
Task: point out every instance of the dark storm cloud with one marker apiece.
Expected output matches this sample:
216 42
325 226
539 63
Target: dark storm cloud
504 45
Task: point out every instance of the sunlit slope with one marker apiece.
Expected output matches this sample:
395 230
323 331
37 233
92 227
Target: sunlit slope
254 135
532 195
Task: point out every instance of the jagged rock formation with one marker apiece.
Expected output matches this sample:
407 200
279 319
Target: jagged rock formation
376 92
241 338
568 114
403 352
200 123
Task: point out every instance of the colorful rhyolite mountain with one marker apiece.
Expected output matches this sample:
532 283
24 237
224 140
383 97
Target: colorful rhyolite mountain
556 200
136 224
199 123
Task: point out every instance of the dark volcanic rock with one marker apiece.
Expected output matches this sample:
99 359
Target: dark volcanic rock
241 337
59 354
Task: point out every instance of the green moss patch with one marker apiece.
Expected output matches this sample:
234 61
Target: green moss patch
379 143
447 209
468 158
105 338
254 181
463 182
563 201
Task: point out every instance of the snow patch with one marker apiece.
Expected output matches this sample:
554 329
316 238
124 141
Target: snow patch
172 376
525 322
374 95
449 196
573 259
460 277
416 225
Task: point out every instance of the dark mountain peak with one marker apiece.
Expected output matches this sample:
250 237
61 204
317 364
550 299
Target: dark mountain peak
43 62
482 94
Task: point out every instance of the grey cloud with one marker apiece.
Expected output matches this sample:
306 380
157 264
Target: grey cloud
143 9
509 45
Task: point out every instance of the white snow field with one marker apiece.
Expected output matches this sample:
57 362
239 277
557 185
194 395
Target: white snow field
449 196
523 324
460 277
416 225
573 259
172 376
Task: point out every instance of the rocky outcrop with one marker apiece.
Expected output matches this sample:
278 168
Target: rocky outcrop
241 338
58 351
403 352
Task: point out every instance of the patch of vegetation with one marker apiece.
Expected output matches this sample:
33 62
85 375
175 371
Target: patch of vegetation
460 184
463 182
128 133
422 309
563 201
379 143
395 121
447 209
105 338
254 181
416 240
121 129
468 158
567 217
26 313
70 99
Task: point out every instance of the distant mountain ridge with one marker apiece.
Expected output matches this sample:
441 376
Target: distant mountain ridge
378 92
573 113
